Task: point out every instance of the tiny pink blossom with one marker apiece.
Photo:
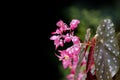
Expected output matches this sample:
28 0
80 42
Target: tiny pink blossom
75 59
73 69
69 50
76 49
60 23
57 41
66 63
66 60
75 40
57 32
70 77
80 76
60 57
54 37
61 43
67 38
74 23
62 26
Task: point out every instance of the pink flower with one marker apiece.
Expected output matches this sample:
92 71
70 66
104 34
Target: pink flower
74 23
67 38
57 32
62 26
81 76
76 48
69 50
54 37
66 59
57 40
75 40
70 77
75 59
60 23
66 62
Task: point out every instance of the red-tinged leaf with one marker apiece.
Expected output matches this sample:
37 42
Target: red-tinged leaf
90 76
90 60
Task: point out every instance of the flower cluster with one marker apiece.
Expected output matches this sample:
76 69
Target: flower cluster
71 57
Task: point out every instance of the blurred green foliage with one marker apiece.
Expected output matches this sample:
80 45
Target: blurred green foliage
64 72
88 19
